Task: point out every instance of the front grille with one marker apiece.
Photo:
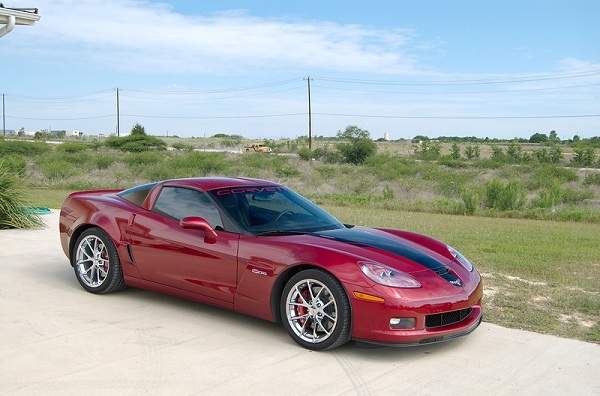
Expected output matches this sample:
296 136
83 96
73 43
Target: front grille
446 318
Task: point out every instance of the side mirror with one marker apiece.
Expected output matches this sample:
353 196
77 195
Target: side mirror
198 223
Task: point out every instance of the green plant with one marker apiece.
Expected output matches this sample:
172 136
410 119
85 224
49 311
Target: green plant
16 164
472 152
592 179
143 158
183 146
359 146
72 147
428 151
546 175
455 153
304 154
13 207
388 192
471 200
136 142
549 197
584 156
29 149
104 161
287 171
504 197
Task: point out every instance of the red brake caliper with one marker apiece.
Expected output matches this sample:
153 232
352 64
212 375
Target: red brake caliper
302 310
105 257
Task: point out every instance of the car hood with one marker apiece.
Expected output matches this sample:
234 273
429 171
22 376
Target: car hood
375 244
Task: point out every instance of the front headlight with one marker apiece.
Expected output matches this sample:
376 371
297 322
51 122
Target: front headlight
460 258
387 276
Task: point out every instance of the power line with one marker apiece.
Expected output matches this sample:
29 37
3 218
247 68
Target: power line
530 78
454 92
458 117
305 114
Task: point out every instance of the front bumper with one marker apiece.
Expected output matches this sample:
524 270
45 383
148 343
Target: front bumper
417 338
371 320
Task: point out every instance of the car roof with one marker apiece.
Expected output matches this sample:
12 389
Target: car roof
211 183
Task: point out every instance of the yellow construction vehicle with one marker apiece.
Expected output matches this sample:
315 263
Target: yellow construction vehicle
257 148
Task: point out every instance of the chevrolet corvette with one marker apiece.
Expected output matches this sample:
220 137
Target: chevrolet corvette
258 248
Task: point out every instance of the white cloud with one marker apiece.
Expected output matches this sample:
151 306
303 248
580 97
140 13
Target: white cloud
151 36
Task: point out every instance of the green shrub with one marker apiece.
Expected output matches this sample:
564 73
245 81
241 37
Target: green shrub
503 197
549 197
328 172
359 146
592 179
13 212
144 158
472 152
15 164
332 157
194 164
183 146
547 175
584 156
572 196
471 200
72 147
305 154
24 148
453 163
104 161
428 151
387 167
455 151
135 143
388 193
80 159
287 171
59 170
498 154
319 152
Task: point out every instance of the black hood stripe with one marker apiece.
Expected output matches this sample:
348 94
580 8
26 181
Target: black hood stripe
361 238
365 239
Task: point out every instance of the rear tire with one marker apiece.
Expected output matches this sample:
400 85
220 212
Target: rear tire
315 310
96 262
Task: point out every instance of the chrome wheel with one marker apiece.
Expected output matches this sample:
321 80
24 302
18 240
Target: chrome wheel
92 261
315 310
96 262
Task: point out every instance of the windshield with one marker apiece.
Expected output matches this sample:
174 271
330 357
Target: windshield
273 210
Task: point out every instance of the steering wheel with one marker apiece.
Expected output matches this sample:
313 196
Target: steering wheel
287 211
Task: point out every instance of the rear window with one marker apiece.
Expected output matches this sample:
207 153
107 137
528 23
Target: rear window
137 195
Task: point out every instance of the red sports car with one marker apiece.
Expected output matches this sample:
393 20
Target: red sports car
258 248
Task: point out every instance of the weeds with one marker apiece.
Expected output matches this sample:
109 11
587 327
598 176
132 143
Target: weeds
13 207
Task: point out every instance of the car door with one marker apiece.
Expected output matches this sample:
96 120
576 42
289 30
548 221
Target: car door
168 254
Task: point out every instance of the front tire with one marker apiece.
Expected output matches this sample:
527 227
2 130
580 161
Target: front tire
96 262
315 310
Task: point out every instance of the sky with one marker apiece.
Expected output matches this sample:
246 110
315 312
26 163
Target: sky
497 69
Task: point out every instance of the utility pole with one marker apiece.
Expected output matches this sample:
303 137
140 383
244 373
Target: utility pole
309 118
118 116
3 117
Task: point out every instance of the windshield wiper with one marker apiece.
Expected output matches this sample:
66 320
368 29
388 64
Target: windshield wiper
279 232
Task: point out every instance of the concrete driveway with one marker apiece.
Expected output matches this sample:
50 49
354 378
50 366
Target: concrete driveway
57 339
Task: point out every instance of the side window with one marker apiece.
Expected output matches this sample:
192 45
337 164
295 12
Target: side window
179 202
